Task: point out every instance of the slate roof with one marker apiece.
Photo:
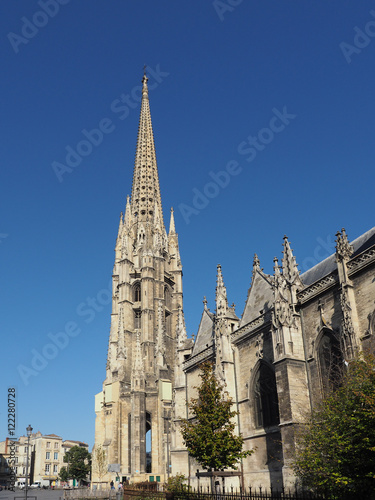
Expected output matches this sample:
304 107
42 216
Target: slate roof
329 265
204 337
260 298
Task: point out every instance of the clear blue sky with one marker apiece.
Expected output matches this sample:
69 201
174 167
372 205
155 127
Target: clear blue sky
222 75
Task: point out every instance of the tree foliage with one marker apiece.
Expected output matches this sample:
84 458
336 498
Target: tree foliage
336 448
79 462
175 484
209 436
63 475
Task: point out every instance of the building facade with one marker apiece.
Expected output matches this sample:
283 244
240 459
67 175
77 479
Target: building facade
295 336
292 343
134 408
44 458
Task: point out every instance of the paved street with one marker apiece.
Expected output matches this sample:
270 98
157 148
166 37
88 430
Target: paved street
32 495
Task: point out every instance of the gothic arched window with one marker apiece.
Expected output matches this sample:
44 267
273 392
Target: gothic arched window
137 292
266 404
137 318
330 360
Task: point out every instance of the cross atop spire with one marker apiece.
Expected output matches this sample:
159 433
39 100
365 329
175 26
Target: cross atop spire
145 190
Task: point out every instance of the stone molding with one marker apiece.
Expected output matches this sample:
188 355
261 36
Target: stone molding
198 358
318 287
360 261
252 327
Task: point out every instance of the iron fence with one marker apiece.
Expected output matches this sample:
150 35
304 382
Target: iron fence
246 494
152 494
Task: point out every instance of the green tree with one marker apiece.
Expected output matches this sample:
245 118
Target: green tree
336 447
79 462
63 475
209 436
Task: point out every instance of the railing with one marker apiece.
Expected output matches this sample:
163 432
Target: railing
249 494
152 494
85 494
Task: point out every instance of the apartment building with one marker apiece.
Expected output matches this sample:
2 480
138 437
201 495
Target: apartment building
45 458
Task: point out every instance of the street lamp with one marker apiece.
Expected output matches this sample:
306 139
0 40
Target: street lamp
29 430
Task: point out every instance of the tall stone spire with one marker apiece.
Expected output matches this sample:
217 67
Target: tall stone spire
145 190
146 303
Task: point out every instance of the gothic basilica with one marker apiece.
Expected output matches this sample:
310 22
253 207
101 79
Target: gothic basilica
276 360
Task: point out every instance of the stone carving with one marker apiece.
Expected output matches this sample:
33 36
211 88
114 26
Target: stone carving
121 348
160 343
259 346
371 324
361 260
347 329
317 288
343 248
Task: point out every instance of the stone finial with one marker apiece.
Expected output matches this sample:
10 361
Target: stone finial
288 263
344 249
205 303
256 262
276 266
172 227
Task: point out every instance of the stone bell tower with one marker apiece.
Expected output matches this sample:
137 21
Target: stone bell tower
133 410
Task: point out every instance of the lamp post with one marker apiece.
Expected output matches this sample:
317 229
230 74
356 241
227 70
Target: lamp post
29 430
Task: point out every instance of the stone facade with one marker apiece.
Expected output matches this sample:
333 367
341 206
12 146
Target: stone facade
146 311
46 457
295 336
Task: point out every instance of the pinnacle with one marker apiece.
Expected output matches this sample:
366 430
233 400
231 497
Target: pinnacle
343 248
256 262
221 293
289 265
145 189
172 227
